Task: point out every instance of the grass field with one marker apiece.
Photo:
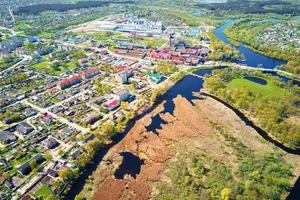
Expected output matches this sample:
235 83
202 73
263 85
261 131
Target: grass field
107 37
152 42
44 192
265 90
46 68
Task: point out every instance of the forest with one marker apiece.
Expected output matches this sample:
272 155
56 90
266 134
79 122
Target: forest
37 8
275 106
251 6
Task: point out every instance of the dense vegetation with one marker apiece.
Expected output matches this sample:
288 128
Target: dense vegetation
275 106
166 68
222 51
252 6
37 8
255 176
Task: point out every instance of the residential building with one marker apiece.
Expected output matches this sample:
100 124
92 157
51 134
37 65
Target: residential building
7 137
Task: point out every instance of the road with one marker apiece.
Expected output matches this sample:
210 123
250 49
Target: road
12 32
11 14
61 119
245 67
26 58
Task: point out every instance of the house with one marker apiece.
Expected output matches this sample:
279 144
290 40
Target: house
48 120
24 169
20 51
66 83
90 73
33 39
24 128
52 172
91 119
69 131
122 94
46 180
112 104
30 112
26 197
76 154
7 137
38 158
44 51
103 52
51 143
9 184
122 77
3 53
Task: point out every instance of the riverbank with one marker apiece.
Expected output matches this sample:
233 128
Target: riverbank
273 52
189 126
82 183
252 58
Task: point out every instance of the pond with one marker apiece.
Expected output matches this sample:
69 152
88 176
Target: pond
131 165
256 80
252 58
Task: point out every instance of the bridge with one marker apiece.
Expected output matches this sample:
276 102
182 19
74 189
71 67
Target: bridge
245 67
196 75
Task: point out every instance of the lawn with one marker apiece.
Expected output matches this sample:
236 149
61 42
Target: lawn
152 42
46 68
41 65
44 192
266 90
107 36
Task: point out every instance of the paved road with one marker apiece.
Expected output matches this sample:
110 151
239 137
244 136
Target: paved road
26 58
62 119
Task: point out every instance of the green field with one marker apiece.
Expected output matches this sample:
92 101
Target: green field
44 192
107 37
46 68
265 90
152 42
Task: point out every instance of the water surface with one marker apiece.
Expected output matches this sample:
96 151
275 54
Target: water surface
252 58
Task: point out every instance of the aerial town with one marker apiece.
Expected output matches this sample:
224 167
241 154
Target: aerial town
70 87
140 99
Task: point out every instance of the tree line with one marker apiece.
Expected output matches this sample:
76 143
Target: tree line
272 112
37 8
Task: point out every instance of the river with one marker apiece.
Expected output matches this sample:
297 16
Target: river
252 58
186 87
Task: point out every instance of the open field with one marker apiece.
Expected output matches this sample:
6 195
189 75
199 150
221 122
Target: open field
265 90
207 130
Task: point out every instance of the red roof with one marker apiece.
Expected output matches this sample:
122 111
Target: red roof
165 55
121 68
165 50
68 80
112 103
90 71
54 89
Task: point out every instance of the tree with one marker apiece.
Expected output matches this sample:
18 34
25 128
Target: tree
66 174
226 194
166 68
124 105
108 128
